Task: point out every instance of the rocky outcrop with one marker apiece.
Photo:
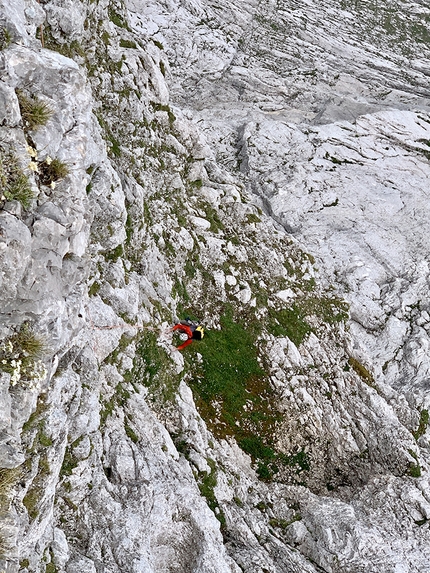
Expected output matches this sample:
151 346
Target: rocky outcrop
207 171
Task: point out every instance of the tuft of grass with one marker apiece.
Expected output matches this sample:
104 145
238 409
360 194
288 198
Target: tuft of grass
34 111
20 356
117 19
361 370
8 479
29 343
14 184
5 39
51 170
31 502
415 470
70 462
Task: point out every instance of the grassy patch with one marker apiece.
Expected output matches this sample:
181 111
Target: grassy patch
119 398
233 393
20 356
414 470
127 44
253 218
70 462
117 19
289 322
284 523
131 434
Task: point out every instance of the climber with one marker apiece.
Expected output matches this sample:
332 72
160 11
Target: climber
192 329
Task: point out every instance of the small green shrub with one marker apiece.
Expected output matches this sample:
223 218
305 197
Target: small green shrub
51 170
34 111
14 184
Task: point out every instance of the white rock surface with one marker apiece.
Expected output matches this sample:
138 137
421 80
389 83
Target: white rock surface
181 123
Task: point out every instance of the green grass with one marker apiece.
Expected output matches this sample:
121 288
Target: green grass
70 462
229 366
34 111
131 434
289 322
207 482
361 370
31 502
51 171
127 44
26 348
14 184
117 19
5 39
233 393
424 420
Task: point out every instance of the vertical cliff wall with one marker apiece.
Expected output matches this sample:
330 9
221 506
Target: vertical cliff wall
280 442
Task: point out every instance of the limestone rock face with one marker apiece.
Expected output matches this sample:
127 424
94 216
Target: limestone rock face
261 167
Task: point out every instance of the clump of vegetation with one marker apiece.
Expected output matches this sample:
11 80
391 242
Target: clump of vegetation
20 356
234 395
14 184
127 44
34 111
414 470
52 170
5 39
207 483
289 322
422 427
361 370
8 478
70 462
